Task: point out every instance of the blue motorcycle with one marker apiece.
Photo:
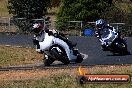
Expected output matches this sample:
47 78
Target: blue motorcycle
113 42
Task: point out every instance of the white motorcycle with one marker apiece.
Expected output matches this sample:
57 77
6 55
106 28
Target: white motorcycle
56 46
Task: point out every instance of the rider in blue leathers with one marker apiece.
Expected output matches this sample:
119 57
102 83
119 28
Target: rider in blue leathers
101 25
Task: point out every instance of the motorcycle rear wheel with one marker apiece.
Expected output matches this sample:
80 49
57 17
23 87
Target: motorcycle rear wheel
64 58
121 50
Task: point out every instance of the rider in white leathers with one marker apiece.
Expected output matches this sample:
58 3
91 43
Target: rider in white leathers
43 39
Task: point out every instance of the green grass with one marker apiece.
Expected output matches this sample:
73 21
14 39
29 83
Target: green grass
58 81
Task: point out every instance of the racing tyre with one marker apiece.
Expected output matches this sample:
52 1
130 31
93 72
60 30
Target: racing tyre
79 59
61 56
65 59
48 62
123 49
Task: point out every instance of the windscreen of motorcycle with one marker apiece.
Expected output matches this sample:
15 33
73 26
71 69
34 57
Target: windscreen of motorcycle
105 33
108 36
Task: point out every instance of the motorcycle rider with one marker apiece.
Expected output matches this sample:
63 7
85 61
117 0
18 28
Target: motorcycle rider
101 27
40 31
38 34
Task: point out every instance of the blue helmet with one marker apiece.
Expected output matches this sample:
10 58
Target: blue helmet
100 22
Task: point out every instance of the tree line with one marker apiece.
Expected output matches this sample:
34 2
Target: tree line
81 10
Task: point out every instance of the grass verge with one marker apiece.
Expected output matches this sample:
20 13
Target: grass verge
60 78
50 78
18 56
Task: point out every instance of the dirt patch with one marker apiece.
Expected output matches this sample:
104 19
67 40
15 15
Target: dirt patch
35 74
73 72
19 56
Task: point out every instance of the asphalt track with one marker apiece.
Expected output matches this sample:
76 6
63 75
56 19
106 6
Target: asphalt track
89 46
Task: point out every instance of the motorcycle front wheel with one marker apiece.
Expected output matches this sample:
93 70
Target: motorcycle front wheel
64 59
48 62
79 59
61 56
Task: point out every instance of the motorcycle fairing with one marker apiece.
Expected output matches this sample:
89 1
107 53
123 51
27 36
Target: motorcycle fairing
66 48
50 40
108 37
